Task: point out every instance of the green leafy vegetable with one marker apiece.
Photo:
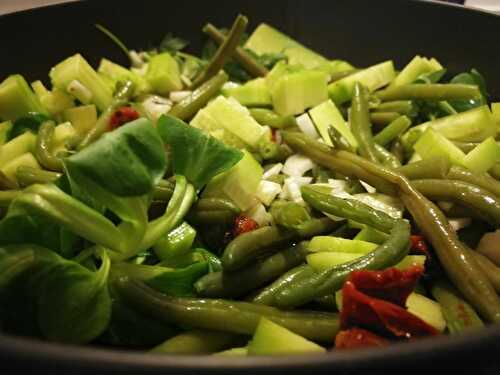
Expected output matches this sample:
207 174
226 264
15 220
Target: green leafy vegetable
472 78
195 154
31 122
172 44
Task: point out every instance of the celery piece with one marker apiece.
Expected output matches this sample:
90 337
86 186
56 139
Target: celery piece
177 242
239 184
163 74
327 114
5 128
294 92
254 93
62 133
432 144
55 101
335 66
83 118
426 309
370 234
326 260
26 160
415 68
272 339
77 69
266 39
340 245
230 115
118 73
483 156
17 99
372 78
16 147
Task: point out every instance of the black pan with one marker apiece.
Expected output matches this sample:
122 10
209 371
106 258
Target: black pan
361 31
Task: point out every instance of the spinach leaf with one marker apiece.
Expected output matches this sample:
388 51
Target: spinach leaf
64 300
179 282
172 44
471 78
196 155
31 122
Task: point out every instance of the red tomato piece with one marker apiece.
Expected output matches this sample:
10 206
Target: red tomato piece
244 224
122 116
356 338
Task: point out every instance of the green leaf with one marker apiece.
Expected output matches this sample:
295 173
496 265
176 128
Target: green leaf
31 122
172 44
67 301
179 283
471 78
129 161
196 155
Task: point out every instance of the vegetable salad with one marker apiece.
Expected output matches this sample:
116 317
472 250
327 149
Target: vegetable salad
256 198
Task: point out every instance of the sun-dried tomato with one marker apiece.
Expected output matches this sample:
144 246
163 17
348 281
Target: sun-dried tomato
356 338
122 116
244 224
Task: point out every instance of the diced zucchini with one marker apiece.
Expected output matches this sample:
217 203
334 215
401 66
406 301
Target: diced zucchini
177 242
55 101
163 74
5 128
272 339
230 115
415 68
483 156
17 99
254 93
432 144
295 92
77 69
340 245
118 73
327 114
27 160
372 78
426 309
239 184
266 39
83 118
16 147
370 234
62 133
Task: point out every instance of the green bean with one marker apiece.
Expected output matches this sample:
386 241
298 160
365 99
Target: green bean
386 157
247 247
383 118
224 53
289 214
205 204
120 99
272 151
338 140
426 168
398 150
458 264
248 63
27 176
268 117
213 210
198 342
403 107
491 270
163 191
237 284
347 208
459 315
191 104
360 123
7 196
43 150
224 315
267 295
392 131
301 291
6 183
482 180
466 194
429 91
321 154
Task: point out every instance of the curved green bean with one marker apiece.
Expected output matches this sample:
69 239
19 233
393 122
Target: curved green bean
224 315
360 123
386 157
248 63
247 247
429 91
27 176
466 194
43 150
338 140
188 106
383 118
482 180
224 53
491 270
392 131
268 117
237 284
426 168
403 107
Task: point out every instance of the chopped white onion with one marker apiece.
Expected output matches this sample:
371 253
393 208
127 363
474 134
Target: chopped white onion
267 191
136 59
488 246
305 124
259 214
155 106
291 188
230 85
177 96
296 165
459 223
79 91
337 186
273 170
370 189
